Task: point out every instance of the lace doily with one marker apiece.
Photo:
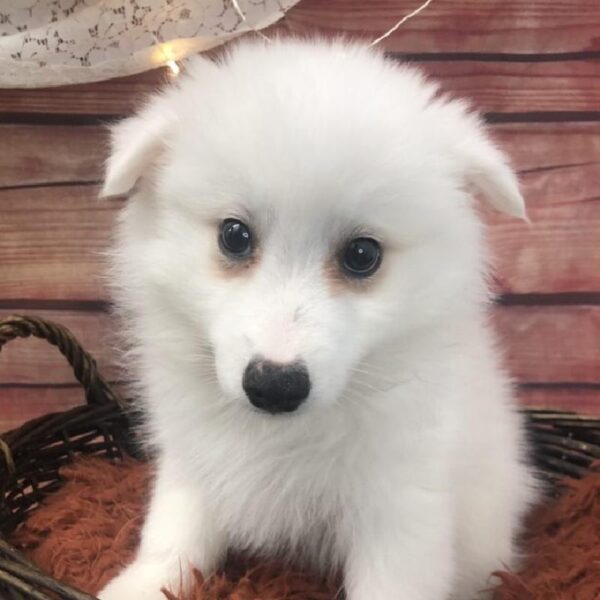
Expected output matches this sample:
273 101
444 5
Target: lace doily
57 42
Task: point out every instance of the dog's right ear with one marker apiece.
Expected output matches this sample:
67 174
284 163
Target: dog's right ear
136 144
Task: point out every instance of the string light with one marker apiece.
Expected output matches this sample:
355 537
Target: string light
382 37
401 22
175 69
242 16
167 55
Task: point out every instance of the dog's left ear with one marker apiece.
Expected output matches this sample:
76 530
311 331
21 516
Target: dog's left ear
486 170
136 144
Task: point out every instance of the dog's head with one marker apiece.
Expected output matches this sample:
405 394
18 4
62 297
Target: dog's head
298 208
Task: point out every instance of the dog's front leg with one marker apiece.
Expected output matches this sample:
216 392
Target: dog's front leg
402 550
179 535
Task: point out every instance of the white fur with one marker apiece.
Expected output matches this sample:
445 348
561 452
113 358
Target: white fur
405 466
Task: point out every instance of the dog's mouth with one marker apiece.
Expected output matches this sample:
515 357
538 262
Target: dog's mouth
266 414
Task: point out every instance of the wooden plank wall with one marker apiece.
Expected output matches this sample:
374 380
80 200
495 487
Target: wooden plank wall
532 67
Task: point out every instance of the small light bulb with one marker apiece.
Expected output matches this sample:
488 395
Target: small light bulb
175 69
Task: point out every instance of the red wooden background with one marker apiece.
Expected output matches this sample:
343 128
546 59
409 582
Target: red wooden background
533 68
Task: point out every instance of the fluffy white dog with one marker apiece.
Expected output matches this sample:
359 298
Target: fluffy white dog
303 273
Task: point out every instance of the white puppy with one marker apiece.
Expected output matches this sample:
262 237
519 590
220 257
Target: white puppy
302 270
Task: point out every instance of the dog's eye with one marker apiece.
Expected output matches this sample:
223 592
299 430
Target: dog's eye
361 257
235 238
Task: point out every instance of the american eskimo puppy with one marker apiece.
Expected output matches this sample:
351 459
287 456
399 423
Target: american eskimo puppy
302 269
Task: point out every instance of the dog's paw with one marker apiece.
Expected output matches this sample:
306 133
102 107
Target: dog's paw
143 582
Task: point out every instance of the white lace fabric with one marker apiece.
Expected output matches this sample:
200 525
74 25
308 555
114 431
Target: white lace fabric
57 42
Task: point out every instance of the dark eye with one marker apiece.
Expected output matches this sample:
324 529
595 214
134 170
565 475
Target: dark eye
361 257
235 238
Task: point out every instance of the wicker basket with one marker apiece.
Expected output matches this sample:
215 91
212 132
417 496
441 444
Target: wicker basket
30 456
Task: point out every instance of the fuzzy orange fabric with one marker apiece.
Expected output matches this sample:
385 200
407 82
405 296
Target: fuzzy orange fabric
88 531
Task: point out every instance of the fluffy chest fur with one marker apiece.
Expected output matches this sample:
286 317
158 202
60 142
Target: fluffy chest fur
296 485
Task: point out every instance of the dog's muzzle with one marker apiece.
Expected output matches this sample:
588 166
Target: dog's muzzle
275 387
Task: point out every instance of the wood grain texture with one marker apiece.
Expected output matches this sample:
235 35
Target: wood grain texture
20 404
119 96
558 252
492 87
51 240
498 26
544 146
582 400
559 167
35 362
42 154
556 344
509 57
521 87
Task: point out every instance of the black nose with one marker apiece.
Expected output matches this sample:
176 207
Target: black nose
275 387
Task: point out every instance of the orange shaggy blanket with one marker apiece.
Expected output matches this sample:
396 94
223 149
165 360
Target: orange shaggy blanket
88 531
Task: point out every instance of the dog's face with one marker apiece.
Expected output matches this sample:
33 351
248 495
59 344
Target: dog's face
301 215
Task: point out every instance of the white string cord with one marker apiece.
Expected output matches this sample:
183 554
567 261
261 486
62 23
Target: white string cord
240 12
174 67
169 61
401 22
